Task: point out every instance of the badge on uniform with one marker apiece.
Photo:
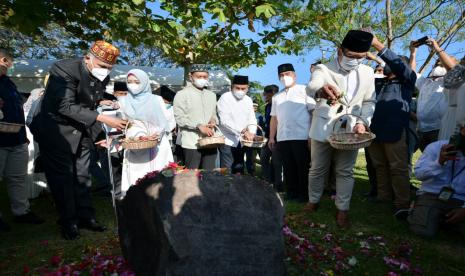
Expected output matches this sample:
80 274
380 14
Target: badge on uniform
445 194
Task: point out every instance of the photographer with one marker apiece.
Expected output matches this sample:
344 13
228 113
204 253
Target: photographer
432 101
441 198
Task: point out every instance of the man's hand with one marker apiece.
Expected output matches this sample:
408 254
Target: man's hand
433 44
206 130
112 121
329 92
377 44
359 128
456 216
448 152
271 143
413 49
102 144
249 136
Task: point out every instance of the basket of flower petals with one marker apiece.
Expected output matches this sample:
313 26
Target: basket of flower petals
351 140
141 139
257 142
140 142
214 141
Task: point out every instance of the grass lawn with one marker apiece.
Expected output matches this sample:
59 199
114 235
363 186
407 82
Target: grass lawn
376 244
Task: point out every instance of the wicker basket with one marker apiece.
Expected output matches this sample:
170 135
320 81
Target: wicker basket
131 144
10 127
350 140
212 142
258 141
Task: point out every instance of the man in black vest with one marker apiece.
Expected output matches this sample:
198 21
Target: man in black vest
66 129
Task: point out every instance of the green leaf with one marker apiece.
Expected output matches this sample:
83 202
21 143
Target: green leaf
137 2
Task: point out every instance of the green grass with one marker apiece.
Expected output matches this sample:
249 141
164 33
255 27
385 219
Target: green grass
33 246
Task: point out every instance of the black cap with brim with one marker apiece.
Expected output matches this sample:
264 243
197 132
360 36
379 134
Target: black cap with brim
357 41
120 86
271 89
286 67
238 79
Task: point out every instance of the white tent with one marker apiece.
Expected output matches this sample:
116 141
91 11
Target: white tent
30 74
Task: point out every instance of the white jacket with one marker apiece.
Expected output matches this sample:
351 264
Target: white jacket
362 103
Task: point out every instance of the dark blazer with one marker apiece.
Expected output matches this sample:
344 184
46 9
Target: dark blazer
393 97
68 109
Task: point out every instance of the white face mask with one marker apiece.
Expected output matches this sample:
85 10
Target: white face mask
287 81
99 73
239 94
350 64
379 76
134 88
438 71
200 83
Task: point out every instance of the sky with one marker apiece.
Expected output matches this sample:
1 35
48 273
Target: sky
267 74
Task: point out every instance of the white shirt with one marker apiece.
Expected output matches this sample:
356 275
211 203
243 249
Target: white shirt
169 114
235 115
292 109
432 103
350 81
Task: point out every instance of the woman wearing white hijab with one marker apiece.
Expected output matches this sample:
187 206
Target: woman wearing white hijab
144 111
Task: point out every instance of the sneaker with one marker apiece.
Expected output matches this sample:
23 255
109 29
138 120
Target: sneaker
401 213
4 227
29 218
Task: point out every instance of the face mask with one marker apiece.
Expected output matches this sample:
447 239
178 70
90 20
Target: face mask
200 83
168 106
287 81
239 94
379 76
134 88
99 73
350 64
438 71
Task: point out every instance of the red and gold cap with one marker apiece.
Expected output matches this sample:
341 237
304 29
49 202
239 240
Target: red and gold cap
105 51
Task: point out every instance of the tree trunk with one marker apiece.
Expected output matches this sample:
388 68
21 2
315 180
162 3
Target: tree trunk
389 24
187 69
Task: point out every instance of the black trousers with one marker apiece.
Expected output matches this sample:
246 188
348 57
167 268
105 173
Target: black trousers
69 180
200 158
232 158
296 162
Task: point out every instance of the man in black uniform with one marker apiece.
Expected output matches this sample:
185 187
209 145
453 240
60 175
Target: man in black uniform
66 129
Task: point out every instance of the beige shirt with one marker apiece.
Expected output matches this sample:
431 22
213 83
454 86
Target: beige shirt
193 107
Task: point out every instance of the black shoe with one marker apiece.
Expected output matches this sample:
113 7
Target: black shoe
70 232
92 225
4 227
401 214
29 218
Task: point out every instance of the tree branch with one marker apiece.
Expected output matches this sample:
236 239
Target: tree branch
409 29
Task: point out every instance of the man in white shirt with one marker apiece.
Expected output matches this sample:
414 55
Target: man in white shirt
237 117
343 86
441 198
290 123
432 101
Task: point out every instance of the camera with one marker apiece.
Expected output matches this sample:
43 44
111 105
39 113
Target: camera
421 41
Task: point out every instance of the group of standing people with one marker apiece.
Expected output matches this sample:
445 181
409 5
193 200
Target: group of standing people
343 95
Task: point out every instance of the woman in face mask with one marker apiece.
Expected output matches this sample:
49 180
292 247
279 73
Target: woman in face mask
147 118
